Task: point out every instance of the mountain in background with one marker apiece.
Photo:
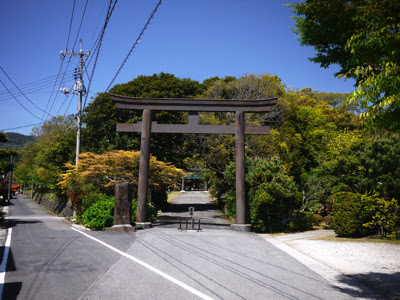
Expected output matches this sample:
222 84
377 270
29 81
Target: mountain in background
16 141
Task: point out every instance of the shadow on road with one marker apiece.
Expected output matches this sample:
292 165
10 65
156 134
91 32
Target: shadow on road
11 290
387 285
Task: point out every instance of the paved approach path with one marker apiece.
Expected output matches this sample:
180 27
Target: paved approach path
48 259
205 210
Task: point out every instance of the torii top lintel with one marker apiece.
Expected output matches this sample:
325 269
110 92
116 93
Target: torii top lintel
195 105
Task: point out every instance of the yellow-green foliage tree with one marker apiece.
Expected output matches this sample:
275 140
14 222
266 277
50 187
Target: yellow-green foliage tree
98 173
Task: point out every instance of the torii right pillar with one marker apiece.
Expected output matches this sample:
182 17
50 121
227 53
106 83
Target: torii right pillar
240 174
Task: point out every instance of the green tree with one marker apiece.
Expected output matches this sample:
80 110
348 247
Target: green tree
308 125
216 152
3 137
363 38
360 163
43 161
100 117
271 194
98 173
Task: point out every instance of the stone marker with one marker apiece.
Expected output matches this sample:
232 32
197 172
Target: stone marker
123 208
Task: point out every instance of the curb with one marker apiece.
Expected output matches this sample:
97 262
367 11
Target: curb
343 282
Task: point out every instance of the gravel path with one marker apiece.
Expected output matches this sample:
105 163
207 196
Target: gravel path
376 265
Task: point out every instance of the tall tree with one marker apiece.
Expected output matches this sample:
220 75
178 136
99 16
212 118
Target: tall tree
43 161
363 38
100 116
216 152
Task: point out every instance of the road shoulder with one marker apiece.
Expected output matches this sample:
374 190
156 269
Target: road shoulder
338 279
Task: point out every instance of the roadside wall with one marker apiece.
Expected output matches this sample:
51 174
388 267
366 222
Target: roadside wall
59 207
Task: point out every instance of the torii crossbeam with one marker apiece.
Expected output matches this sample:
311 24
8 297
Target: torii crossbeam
193 106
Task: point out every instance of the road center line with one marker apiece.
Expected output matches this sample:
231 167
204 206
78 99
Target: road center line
4 261
166 276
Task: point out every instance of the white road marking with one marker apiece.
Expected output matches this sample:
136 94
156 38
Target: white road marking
4 261
34 217
166 276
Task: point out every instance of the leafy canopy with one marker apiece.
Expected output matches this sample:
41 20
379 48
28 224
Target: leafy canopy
363 38
98 173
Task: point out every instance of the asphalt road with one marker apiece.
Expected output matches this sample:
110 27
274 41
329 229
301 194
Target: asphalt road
204 210
51 260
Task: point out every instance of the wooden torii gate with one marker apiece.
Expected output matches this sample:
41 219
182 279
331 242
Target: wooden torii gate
193 106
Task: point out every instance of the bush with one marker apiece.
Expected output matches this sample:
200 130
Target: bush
271 194
301 221
3 190
356 215
318 219
159 198
328 220
100 215
348 218
151 214
92 199
384 216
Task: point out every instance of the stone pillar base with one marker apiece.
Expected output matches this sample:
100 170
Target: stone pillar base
143 225
121 228
241 227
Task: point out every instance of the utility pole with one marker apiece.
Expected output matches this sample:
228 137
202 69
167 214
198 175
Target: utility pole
79 87
10 181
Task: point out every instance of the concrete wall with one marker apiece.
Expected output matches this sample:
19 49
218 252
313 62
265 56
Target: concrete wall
59 207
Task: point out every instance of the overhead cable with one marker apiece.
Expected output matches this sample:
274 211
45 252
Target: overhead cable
80 25
28 85
22 92
31 125
70 25
110 10
19 101
33 89
134 45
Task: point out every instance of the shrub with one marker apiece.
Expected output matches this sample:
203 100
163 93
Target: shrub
328 220
100 215
318 219
159 198
3 190
92 199
347 215
357 215
301 221
271 194
384 216
151 214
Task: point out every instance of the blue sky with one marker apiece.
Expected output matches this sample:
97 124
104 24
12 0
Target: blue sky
188 38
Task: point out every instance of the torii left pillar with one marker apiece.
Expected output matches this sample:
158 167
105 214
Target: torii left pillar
144 171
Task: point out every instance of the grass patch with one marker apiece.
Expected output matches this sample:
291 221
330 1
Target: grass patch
172 195
368 239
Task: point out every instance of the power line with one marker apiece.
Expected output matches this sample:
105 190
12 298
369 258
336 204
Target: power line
19 102
34 83
76 38
22 126
70 25
134 45
23 93
31 89
98 47
80 25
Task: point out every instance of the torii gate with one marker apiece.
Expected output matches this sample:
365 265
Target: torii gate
193 106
